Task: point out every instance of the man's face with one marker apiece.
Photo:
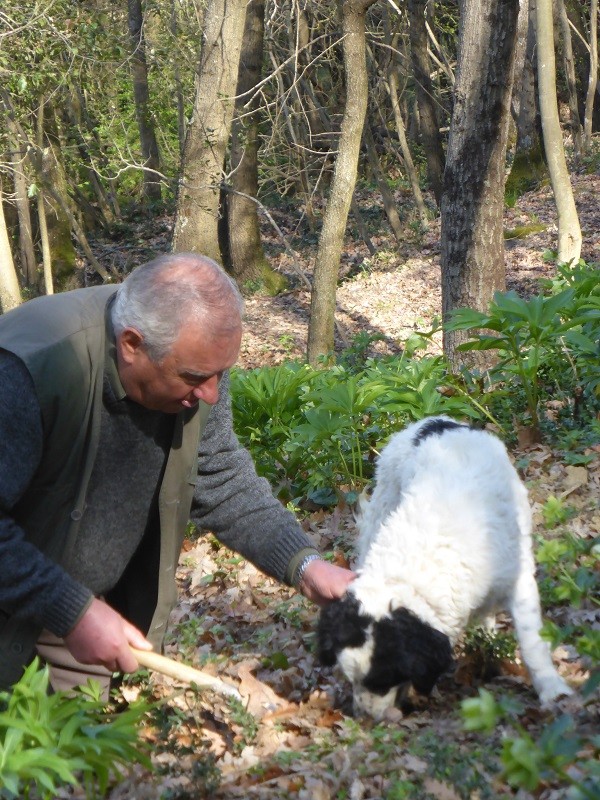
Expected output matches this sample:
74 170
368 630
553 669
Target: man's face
190 372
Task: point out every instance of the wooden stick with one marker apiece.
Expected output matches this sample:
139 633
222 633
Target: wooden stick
183 672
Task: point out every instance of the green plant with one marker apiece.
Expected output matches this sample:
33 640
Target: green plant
267 403
401 789
179 732
413 388
530 335
245 721
287 342
355 356
315 433
556 512
528 762
569 571
486 649
573 442
335 416
53 740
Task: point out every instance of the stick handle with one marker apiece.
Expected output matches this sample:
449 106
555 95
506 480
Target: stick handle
182 672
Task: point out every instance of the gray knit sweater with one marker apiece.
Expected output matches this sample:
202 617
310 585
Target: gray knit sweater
230 500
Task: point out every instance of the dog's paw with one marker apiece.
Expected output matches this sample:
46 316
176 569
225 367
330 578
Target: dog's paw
571 704
560 698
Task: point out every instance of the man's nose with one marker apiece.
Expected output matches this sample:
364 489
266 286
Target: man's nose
208 390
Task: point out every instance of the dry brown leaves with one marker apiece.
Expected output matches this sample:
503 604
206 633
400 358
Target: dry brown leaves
397 291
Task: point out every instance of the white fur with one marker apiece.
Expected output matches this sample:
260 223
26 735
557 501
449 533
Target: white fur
447 535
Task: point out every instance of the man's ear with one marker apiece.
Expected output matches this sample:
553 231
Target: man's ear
129 342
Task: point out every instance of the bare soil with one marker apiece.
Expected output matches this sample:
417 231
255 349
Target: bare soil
397 291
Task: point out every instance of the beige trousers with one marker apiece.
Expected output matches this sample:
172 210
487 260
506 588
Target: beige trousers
65 671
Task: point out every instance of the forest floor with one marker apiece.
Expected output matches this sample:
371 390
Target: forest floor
390 294
295 734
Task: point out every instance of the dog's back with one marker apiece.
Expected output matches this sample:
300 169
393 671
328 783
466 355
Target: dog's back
447 519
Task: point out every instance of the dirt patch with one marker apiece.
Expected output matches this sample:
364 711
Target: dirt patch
394 293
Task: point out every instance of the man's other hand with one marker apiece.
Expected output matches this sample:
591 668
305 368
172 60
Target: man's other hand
103 636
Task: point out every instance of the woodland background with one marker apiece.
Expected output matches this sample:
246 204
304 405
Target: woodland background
223 111
363 169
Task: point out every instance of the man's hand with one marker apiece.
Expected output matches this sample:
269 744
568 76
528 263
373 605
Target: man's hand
103 636
323 582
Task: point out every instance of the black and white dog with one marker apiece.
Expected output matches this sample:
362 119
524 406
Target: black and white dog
444 540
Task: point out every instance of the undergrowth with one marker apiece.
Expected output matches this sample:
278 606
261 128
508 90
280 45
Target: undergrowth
315 432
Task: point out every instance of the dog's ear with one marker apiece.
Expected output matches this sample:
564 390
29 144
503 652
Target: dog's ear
407 649
340 625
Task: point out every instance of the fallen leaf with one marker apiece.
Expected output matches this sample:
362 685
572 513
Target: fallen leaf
574 479
413 763
329 718
441 791
259 698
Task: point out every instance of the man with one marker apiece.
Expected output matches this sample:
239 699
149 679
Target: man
115 430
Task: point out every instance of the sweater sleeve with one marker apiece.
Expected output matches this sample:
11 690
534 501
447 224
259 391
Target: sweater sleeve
238 506
31 585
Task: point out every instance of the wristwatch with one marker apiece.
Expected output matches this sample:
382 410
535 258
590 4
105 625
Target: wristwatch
302 567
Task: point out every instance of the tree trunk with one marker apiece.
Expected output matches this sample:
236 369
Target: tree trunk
26 248
429 125
10 294
174 26
322 307
472 242
141 95
196 225
243 253
528 167
72 115
45 241
62 220
593 76
569 231
406 154
389 203
570 77
79 105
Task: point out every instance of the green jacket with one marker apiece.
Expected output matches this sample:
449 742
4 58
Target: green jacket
62 342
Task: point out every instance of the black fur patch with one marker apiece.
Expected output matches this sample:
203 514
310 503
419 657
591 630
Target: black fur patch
340 625
435 427
407 650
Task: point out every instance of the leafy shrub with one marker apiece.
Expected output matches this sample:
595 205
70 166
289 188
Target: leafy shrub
49 741
312 431
267 402
316 432
546 344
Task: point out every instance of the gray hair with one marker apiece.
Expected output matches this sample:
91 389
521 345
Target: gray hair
158 297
